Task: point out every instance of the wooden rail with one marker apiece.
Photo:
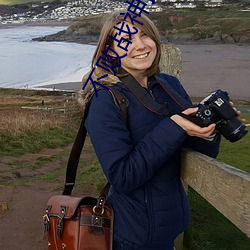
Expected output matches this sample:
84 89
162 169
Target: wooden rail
66 109
60 109
223 186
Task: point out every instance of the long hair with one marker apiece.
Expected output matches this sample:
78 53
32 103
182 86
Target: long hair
148 28
108 29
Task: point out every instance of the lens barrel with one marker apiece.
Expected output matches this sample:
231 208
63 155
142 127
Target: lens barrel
233 130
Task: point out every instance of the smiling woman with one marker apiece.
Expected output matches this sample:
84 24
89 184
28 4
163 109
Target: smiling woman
140 56
139 30
141 154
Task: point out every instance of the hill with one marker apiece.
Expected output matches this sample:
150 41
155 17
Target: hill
174 26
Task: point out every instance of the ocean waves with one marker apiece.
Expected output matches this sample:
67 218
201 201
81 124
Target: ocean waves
26 64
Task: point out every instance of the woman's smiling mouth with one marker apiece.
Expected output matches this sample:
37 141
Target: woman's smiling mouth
141 56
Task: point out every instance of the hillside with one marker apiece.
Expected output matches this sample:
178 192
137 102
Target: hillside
217 27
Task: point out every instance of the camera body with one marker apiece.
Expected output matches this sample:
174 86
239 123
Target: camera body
216 108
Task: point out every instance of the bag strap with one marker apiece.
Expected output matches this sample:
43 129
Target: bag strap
72 165
144 97
181 101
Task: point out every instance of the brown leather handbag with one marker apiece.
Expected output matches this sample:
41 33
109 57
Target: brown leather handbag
78 223
82 223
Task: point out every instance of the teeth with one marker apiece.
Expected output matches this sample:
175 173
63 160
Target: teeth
141 56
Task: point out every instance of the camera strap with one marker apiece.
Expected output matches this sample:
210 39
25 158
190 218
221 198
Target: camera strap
145 98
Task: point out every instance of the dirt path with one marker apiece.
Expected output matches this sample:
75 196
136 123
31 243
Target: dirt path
21 224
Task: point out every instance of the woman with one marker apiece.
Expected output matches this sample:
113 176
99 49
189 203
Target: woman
141 156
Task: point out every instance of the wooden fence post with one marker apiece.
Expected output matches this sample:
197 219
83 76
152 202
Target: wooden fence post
171 60
170 63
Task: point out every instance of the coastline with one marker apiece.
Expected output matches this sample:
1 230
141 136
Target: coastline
50 23
205 68
67 86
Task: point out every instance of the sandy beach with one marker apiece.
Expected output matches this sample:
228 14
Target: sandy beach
209 67
206 68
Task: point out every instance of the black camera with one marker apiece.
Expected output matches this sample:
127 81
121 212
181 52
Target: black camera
216 109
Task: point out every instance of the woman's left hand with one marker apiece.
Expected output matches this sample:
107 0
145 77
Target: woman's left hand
238 113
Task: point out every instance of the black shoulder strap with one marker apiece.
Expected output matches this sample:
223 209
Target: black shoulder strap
144 97
181 101
74 157
122 102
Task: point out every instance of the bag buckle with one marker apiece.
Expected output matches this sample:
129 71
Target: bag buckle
96 221
59 224
95 212
46 221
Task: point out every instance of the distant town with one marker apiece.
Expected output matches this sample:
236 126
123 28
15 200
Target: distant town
60 11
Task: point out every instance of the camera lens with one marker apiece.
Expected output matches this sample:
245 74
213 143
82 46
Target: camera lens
238 133
233 130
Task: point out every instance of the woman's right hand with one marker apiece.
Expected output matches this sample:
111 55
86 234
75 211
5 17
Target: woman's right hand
190 128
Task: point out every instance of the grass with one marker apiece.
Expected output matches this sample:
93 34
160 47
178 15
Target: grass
91 172
39 162
25 132
237 154
21 133
210 230
203 24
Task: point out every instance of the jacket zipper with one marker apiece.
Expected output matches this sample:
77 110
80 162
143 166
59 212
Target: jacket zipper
151 93
148 204
146 197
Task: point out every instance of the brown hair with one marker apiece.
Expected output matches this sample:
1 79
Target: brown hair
148 28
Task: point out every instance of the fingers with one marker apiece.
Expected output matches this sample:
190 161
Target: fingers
238 112
192 129
190 111
204 132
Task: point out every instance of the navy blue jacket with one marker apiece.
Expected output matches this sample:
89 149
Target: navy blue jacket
141 160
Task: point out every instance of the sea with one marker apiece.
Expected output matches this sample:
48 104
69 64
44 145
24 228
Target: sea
26 64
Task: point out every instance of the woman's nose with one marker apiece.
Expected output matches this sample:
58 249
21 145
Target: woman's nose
139 43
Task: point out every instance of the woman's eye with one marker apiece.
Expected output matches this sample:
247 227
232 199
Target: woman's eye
125 40
144 34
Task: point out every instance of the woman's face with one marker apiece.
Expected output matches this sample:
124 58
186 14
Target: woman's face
141 52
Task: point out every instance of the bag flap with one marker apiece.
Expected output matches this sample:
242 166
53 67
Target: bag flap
68 203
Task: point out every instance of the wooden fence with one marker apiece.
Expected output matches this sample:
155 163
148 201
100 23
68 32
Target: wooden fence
66 109
223 186
52 109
